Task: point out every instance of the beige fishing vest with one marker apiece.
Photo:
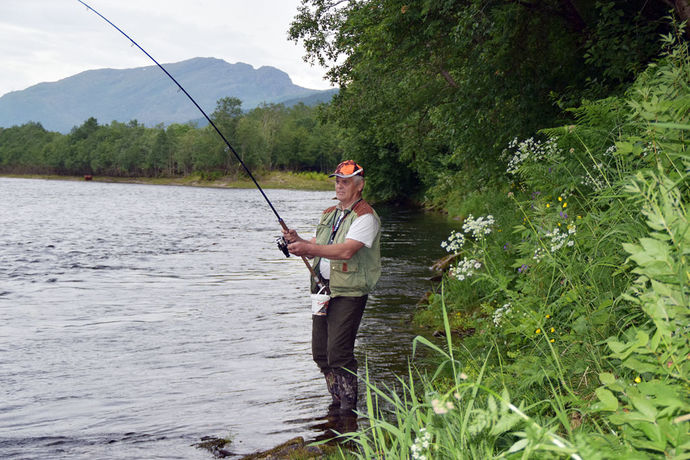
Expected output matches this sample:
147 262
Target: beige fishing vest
358 275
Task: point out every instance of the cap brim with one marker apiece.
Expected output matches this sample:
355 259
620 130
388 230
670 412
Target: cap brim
356 173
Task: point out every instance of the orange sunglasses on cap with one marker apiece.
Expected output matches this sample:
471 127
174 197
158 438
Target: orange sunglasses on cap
348 169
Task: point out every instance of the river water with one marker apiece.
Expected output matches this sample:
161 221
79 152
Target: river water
137 319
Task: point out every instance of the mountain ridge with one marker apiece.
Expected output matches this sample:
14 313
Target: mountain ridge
147 95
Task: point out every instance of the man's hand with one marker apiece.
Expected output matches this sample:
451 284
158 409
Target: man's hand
290 235
300 248
340 251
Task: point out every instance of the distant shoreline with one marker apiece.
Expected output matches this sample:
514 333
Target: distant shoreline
271 180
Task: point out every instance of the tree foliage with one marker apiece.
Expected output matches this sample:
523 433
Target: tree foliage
432 85
267 137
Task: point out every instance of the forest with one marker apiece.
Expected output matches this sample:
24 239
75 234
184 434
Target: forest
556 133
269 137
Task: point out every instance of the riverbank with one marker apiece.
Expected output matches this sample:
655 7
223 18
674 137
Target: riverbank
269 180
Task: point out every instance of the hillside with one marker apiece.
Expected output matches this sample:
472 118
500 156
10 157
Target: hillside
148 95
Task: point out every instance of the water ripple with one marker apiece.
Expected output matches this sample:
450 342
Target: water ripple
135 320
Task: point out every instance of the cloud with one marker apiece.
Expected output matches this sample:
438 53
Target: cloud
46 40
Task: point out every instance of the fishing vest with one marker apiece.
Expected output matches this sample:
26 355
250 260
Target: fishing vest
358 275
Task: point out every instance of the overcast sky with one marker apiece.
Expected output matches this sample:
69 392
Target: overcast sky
47 40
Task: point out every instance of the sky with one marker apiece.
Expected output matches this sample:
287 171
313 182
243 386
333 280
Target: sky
47 40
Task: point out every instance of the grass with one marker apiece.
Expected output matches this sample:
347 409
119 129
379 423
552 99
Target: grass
269 180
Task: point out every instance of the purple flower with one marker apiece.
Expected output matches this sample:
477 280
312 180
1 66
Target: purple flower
523 268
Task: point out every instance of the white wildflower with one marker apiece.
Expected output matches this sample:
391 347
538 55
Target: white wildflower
538 254
478 227
559 239
464 269
500 313
454 242
421 445
532 150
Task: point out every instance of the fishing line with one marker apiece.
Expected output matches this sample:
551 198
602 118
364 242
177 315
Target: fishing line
197 106
283 245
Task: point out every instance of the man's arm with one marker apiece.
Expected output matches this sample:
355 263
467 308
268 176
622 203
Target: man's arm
340 251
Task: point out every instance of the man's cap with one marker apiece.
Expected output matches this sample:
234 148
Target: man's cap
348 169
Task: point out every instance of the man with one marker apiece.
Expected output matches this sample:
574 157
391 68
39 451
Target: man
346 254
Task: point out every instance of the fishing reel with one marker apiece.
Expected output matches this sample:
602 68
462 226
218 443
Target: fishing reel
283 245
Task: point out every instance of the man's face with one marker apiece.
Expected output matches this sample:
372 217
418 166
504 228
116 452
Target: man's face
348 189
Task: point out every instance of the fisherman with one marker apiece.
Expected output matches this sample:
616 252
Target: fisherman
345 252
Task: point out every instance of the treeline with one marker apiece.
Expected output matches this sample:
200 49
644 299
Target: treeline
268 137
431 92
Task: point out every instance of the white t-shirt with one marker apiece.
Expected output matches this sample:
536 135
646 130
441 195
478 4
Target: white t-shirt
363 229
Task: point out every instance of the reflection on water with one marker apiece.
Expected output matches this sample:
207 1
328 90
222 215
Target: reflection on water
135 320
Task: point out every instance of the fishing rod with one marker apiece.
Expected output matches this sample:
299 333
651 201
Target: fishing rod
282 244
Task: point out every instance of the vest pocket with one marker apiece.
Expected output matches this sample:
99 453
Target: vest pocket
344 266
346 276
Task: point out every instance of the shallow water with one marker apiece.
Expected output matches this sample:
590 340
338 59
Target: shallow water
135 319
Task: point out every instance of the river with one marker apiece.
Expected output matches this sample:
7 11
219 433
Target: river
137 319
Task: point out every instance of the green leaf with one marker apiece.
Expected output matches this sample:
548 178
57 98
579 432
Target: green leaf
608 402
623 350
518 446
607 378
493 408
672 125
654 434
639 366
506 423
645 406
664 394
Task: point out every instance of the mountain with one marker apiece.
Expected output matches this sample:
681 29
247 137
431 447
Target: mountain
149 96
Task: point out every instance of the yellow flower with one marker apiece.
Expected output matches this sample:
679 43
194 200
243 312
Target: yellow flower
538 331
548 316
560 199
552 330
579 217
552 340
638 380
565 205
548 205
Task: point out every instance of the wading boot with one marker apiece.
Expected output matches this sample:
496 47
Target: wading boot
331 384
346 386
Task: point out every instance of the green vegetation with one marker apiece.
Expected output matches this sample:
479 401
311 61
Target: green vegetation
576 279
557 133
438 88
267 138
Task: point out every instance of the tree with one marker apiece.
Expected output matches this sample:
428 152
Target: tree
160 156
434 85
